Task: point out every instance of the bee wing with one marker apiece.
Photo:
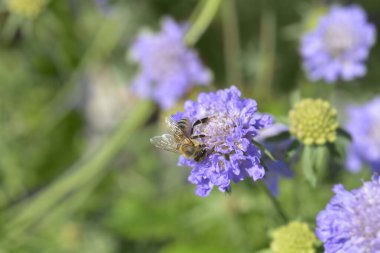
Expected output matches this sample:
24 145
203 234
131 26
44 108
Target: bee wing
173 127
166 142
177 132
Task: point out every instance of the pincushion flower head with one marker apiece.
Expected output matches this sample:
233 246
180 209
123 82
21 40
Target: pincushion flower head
224 124
295 237
364 126
339 45
313 121
168 68
351 221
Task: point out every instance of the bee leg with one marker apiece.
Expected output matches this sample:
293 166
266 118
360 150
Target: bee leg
197 136
201 121
197 122
213 151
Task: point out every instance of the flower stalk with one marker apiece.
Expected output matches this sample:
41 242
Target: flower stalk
93 165
201 19
276 204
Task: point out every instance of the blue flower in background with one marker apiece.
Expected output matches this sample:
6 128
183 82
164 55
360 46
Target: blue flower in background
168 69
339 45
350 223
232 123
364 126
279 168
103 5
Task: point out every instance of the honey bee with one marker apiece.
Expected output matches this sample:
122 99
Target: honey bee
181 140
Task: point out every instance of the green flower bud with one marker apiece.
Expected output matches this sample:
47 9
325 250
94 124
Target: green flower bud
26 8
296 237
313 121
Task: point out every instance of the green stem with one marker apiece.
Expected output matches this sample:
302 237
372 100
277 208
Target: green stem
82 172
276 204
231 43
51 219
201 19
12 178
297 183
266 57
12 183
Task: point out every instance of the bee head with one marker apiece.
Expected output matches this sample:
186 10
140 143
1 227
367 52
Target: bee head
200 155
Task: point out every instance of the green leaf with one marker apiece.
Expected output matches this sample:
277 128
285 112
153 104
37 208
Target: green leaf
279 137
264 149
308 166
292 149
320 157
333 150
343 133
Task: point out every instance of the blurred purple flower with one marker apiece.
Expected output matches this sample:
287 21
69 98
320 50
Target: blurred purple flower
280 167
168 69
233 122
350 223
103 5
339 45
364 126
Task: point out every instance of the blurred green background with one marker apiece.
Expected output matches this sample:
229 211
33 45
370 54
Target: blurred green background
77 171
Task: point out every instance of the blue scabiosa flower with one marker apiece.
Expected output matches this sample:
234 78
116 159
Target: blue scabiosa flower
364 126
168 69
278 168
339 45
232 123
350 223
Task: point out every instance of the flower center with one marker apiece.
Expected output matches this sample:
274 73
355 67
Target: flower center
365 224
165 62
217 129
339 38
313 121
